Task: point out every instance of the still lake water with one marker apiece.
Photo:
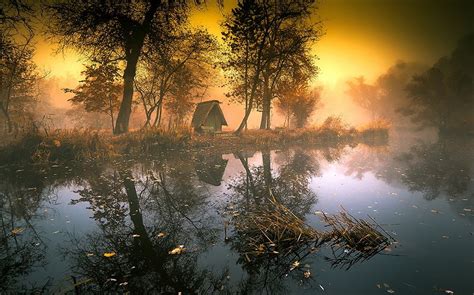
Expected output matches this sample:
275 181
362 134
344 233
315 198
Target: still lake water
110 226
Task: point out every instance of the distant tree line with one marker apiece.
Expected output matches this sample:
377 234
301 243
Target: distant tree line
440 96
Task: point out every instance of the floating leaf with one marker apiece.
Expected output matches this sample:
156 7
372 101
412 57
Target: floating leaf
307 274
17 230
295 265
109 254
178 250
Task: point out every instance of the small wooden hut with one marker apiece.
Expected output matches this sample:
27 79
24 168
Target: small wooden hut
208 117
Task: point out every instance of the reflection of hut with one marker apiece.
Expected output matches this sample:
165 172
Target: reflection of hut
210 169
208 117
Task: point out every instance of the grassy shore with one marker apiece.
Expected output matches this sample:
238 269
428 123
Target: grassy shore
87 145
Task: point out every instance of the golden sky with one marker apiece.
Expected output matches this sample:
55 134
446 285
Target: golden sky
362 37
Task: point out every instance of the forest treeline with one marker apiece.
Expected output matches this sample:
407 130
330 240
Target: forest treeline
147 67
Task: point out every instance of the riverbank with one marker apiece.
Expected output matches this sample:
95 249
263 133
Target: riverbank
85 145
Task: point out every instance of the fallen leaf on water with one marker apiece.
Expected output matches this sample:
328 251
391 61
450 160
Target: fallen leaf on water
178 250
109 254
295 265
135 236
307 274
17 230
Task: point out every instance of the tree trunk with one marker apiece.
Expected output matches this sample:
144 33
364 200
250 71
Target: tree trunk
9 123
249 107
246 117
159 112
266 103
123 118
133 51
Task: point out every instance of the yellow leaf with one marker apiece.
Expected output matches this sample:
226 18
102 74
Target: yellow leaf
109 254
178 250
17 230
307 274
160 235
295 265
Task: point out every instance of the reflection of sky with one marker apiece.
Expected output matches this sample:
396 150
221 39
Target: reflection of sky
435 241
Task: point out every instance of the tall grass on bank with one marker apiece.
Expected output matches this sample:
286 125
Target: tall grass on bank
151 140
59 145
83 144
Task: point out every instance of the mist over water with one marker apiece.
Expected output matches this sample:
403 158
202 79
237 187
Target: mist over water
67 218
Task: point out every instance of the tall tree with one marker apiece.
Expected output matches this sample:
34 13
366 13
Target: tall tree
100 90
365 95
18 76
191 53
122 30
443 96
297 103
264 39
188 86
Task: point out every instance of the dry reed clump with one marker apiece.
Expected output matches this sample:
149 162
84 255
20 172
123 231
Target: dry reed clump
275 230
354 240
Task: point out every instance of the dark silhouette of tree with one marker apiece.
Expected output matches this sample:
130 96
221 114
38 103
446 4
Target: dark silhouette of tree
143 214
100 90
387 95
120 30
18 77
297 103
443 96
174 72
265 39
365 95
438 169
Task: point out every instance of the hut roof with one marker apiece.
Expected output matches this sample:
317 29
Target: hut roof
202 111
210 169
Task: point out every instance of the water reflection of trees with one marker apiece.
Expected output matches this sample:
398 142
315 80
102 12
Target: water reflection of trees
143 215
251 190
444 167
21 247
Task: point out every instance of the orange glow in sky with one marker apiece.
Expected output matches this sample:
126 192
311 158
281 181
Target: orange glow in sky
361 37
